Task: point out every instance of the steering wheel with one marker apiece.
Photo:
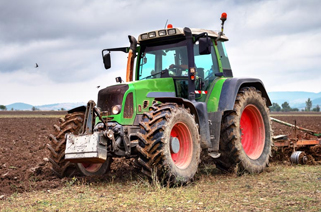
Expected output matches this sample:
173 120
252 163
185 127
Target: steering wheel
176 69
210 75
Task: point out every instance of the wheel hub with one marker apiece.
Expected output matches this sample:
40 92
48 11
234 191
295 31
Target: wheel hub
174 145
92 167
252 132
181 145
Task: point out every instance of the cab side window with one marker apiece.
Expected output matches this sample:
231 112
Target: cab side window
224 59
147 65
206 67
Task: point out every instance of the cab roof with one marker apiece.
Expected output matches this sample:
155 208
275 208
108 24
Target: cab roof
163 33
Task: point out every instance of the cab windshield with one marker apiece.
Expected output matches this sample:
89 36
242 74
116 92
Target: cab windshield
155 59
173 58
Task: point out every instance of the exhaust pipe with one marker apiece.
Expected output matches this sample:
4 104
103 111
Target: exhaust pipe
131 58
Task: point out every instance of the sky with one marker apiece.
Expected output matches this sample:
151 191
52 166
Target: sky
277 41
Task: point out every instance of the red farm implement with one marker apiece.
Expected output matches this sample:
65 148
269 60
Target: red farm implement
298 149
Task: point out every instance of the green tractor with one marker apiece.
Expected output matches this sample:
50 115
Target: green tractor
184 100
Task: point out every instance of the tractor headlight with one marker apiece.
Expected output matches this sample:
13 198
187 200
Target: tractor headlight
116 109
162 32
172 31
152 34
144 36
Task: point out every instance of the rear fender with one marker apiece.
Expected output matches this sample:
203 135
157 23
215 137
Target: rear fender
232 86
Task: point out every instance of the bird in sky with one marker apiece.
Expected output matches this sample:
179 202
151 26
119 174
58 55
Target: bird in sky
36 66
98 86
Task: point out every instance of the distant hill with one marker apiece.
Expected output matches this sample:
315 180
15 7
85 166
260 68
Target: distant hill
19 106
296 99
57 106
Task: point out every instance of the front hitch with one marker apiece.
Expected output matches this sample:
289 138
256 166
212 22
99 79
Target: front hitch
88 146
88 125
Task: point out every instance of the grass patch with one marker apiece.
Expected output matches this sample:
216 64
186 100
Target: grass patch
286 188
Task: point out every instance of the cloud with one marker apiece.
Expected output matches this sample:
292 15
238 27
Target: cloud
277 41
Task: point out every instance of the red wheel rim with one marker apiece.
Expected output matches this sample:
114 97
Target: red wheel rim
184 156
92 167
252 132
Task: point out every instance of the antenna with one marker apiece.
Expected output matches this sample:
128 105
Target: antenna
165 24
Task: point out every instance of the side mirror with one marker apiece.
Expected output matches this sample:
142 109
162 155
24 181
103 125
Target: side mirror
204 45
107 62
119 79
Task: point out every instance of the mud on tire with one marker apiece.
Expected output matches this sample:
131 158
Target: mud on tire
72 123
169 144
246 134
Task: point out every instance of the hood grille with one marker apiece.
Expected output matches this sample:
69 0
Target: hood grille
110 96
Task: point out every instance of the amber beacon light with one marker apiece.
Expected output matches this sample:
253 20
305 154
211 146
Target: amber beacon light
223 16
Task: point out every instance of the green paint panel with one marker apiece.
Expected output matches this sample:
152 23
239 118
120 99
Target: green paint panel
140 90
143 87
218 57
214 98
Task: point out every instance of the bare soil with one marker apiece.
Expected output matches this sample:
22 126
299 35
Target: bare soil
311 121
24 157
23 149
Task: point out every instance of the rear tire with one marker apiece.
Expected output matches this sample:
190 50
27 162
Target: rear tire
246 134
72 123
169 144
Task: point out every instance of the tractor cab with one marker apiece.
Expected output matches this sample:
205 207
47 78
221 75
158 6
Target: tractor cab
195 59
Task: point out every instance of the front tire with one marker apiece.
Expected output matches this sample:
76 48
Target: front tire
246 134
94 169
169 144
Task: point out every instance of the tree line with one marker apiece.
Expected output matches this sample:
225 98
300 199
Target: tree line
285 107
3 107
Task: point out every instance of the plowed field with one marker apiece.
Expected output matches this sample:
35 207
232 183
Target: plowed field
310 121
23 153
